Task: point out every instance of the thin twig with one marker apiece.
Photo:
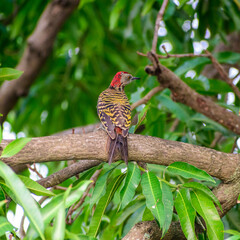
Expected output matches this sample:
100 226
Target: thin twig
147 97
175 55
174 125
85 194
34 169
234 144
223 73
157 25
60 188
215 141
21 229
237 75
42 199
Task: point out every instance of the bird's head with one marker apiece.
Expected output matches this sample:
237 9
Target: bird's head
121 79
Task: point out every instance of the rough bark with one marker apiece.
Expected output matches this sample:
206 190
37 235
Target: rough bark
149 230
68 172
182 93
141 148
39 46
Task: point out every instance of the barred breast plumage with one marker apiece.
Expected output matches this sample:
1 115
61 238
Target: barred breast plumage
114 110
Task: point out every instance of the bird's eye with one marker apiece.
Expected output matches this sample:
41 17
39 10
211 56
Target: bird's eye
129 77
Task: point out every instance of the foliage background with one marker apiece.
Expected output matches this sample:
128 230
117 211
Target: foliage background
101 38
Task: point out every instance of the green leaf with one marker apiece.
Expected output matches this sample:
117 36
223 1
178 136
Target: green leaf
167 199
235 237
204 189
174 107
24 198
152 192
189 171
14 147
141 117
83 2
191 64
102 205
50 210
227 57
9 74
147 215
216 126
206 209
115 13
2 203
133 219
186 213
147 6
131 183
35 187
5 226
100 188
8 191
122 216
232 232
59 223
1 132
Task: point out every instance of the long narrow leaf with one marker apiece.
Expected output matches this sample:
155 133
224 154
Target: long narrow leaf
99 189
1 132
167 199
50 210
153 194
189 171
14 147
206 209
121 217
102 204
131 183
133 219
9 74
186 213
59 223
24 198
203 188
2 202
5 226
35 187
147 215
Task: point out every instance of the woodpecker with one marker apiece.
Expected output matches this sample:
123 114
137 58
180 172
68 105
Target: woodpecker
114 111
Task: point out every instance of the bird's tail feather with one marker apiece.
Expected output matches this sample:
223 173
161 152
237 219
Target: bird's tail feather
121 144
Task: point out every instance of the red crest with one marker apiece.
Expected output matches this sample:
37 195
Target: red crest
116 82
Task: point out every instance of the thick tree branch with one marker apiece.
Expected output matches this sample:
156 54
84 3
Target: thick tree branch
39 46
68 172
181 92
150 230
141 148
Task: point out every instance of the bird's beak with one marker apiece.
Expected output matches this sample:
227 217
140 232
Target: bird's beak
135 78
